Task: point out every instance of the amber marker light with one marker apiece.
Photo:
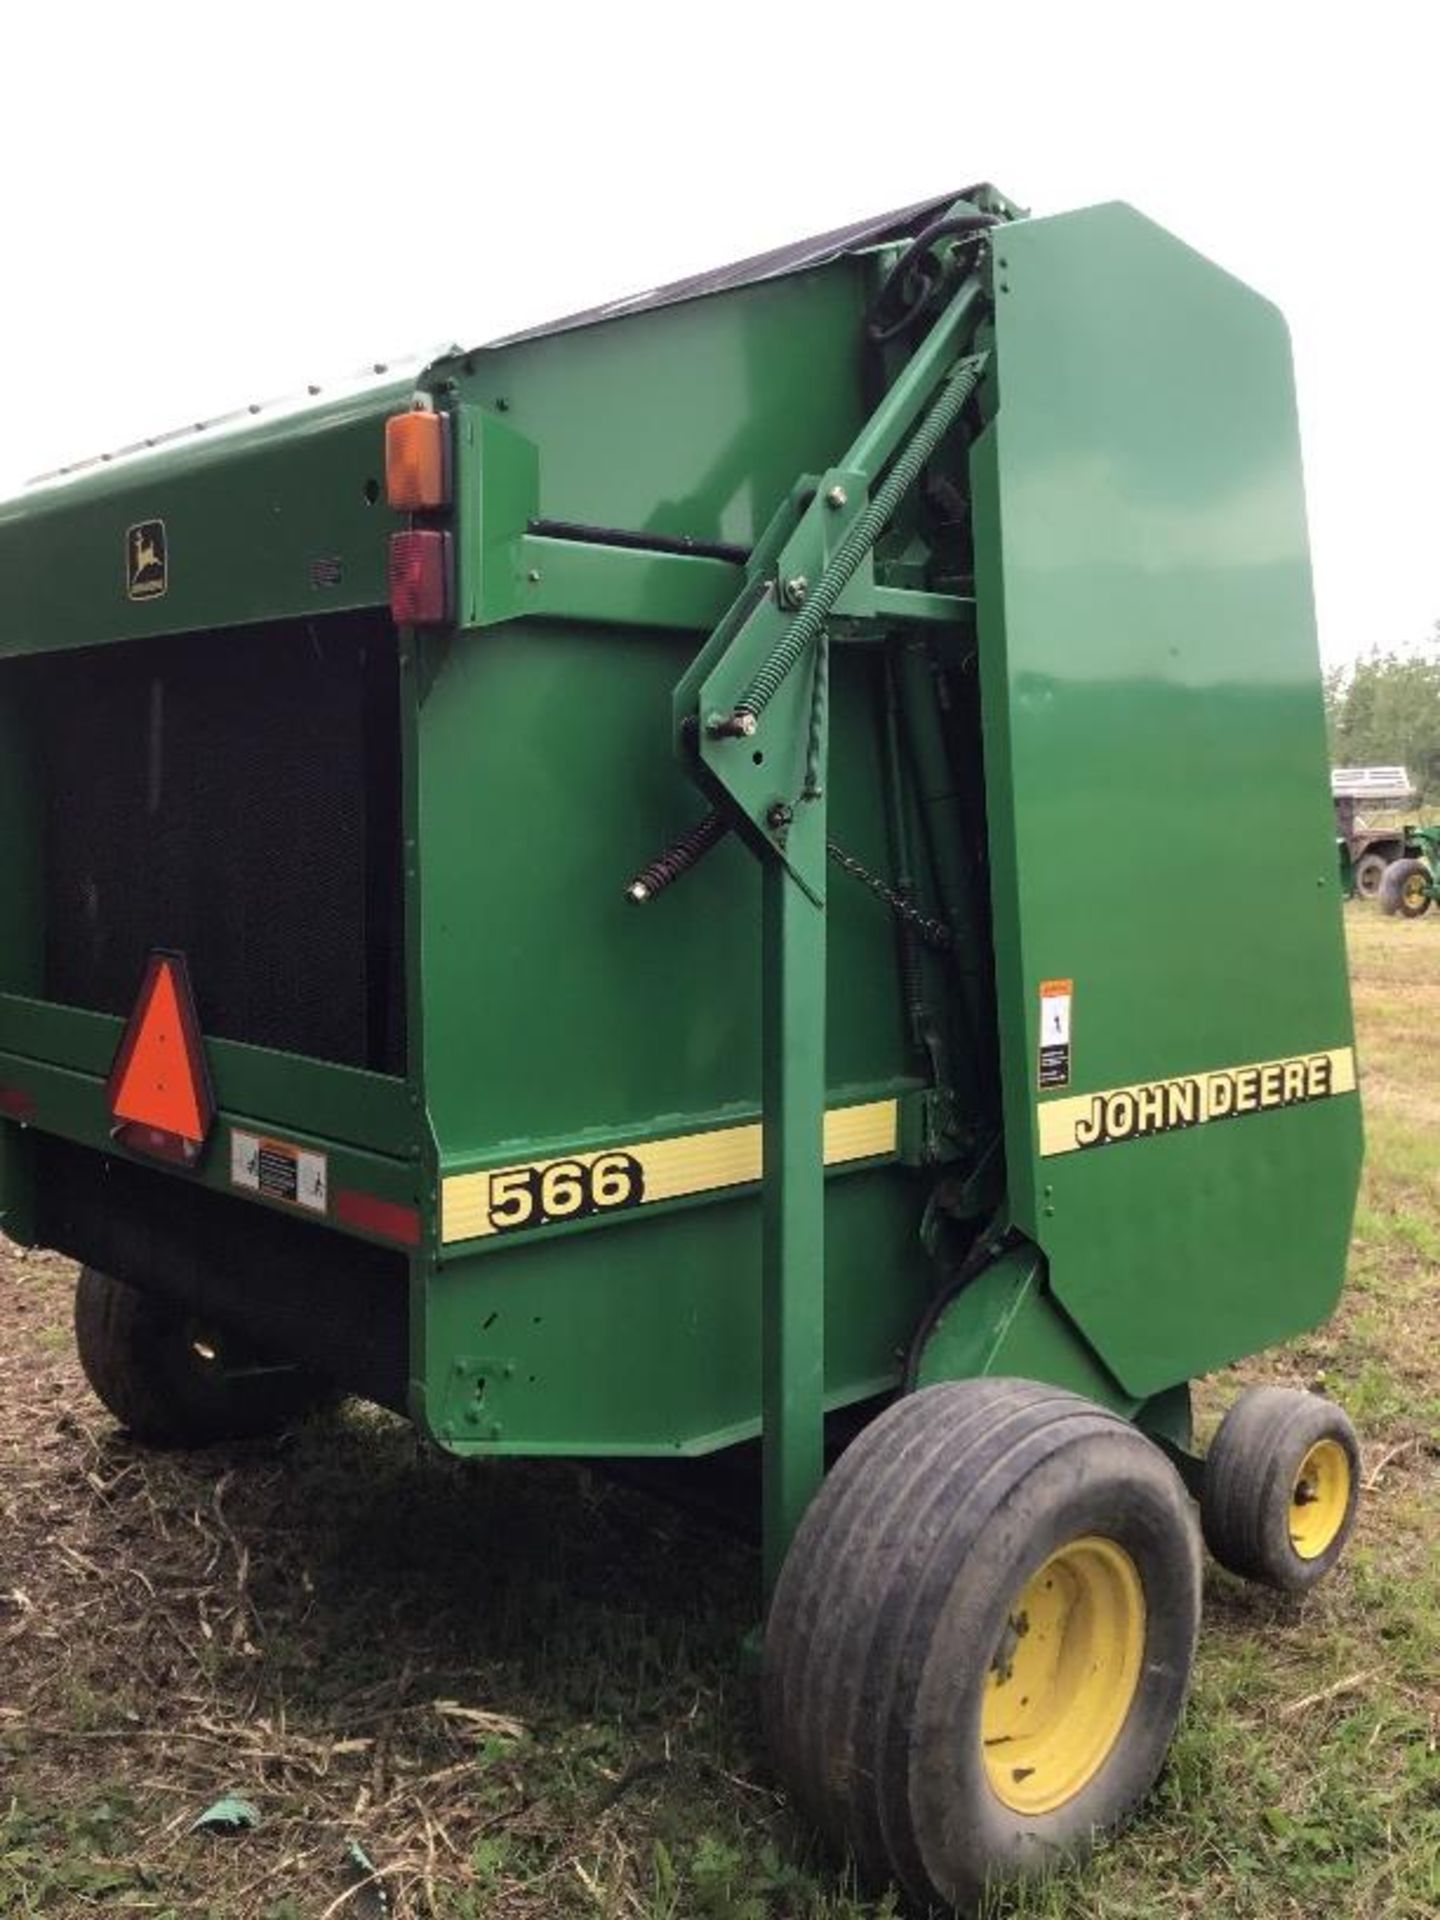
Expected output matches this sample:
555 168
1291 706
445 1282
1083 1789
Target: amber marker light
417 466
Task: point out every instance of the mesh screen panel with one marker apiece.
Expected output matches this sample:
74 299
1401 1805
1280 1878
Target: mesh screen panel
235 795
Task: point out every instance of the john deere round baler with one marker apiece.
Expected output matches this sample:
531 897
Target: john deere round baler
689 876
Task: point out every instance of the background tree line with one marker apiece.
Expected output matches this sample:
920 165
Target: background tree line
1384 710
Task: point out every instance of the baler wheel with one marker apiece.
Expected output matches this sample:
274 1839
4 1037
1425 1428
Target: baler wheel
170 1381
1282 1483
1405 888
982 1636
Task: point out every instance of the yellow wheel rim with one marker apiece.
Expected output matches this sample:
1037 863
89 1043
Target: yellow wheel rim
1320 1499
1063 1676
1416 889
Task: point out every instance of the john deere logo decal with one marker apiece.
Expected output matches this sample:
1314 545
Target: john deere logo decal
1193 1100
146 572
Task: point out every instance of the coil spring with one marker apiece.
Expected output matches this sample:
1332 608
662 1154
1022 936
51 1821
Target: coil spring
806 625
691 847
676 860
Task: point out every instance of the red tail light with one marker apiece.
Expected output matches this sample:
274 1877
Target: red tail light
420 578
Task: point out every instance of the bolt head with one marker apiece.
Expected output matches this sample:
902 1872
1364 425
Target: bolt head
796 590
731 726
836 498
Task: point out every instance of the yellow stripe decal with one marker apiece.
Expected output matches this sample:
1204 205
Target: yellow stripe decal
540 1193
1192 1100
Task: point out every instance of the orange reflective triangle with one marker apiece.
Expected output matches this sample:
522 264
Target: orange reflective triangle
159 1079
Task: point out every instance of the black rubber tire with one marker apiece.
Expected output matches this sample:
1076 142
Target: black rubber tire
892 1605
1392 896
1250 1478
143 1362
1368 874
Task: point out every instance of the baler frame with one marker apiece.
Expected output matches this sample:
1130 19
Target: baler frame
1086 1156
746 703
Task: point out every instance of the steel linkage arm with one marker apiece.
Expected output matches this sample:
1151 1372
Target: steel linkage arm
752 725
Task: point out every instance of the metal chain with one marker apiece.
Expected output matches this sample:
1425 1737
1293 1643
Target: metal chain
934 933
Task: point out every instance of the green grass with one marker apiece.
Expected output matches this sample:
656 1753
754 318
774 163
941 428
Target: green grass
519 1687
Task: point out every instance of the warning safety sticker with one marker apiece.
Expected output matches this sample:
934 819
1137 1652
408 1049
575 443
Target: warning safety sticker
1057 997
279 1171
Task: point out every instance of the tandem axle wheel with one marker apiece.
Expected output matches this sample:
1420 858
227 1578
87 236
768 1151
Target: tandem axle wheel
172 1381
1281 1488
982 1635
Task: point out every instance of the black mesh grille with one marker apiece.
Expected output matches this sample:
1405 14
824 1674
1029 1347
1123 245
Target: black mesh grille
233 794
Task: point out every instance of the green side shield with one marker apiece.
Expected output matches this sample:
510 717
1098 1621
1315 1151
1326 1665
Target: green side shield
1182 1131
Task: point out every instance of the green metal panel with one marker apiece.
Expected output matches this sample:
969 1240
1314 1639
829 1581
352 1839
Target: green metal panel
644 1337
554 1006
1156 771
1005 1324
269 522
690 420
558 1015
76 1107
368 1110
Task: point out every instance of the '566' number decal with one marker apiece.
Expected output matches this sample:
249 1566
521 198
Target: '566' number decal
539 1196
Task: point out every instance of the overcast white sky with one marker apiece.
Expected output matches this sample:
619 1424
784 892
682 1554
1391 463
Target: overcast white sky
209 205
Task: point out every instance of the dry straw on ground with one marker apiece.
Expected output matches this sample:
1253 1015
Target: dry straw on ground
517 1687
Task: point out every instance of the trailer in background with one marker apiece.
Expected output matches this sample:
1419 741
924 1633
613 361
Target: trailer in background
1368 844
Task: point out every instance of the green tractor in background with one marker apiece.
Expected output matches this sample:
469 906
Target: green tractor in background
1411 884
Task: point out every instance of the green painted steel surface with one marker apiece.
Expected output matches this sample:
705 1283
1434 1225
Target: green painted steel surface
1146 658
367 1110
553 1006
1006 1324
558 1016
794 1201
274 521
689 420
75 1107
1151 686
644 1337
